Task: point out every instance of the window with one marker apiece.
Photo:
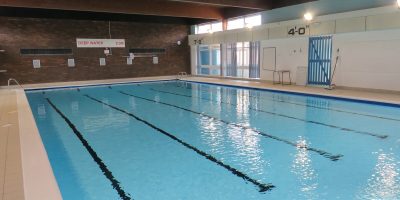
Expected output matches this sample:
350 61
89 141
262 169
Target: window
205 28
209 28
251 21
204 55
235 23
243 55
242 22
209 62
215 27
216 56
242 60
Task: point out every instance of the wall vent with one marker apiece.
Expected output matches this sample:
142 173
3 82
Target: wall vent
147 51
45 52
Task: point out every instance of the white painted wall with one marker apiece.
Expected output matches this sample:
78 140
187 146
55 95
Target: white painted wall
290 53
369 59
369 43
321 7
193 59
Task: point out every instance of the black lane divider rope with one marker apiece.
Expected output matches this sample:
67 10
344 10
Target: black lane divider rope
263 187
317 107
107 173
320 152
282 115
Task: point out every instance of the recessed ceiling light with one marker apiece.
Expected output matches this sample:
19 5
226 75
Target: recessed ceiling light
308 16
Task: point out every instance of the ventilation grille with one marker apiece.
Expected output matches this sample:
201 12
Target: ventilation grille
147 51
45 52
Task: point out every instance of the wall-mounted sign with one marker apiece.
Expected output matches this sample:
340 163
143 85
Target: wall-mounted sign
155 60
100 43
198 41
299 30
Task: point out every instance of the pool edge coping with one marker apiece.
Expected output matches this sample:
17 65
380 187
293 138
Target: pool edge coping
97 84
305 93
35 163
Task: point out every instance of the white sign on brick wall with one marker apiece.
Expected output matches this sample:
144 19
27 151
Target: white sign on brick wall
100 43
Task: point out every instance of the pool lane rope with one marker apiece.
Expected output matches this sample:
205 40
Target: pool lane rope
107 173
282 115
263 187
319 151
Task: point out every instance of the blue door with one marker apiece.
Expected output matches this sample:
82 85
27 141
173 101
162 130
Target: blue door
319 60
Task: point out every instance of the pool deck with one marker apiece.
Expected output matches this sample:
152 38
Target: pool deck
11 184
391 97
25 171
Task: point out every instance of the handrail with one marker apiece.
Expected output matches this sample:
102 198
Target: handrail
181 75
12 79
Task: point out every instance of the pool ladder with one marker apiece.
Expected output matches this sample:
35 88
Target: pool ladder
181 75
13 80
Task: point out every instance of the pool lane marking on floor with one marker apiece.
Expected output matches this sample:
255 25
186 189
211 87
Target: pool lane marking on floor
319 151
103 167
263 187
281 115
311 106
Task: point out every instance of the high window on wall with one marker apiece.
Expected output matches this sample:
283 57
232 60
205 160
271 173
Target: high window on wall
242 22
209 60
209 27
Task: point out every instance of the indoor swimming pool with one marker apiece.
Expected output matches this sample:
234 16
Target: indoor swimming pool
177 140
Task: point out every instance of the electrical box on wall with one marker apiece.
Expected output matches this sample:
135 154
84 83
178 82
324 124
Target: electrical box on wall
129 61
155 60
102 62
71 62
36 64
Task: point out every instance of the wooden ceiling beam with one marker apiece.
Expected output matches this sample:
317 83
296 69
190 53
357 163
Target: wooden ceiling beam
140 7
248 4
283 3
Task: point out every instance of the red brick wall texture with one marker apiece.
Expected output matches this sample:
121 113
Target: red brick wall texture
17 33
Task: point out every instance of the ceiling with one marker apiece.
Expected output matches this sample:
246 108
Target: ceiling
165 11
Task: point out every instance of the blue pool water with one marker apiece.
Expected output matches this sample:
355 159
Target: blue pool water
177 140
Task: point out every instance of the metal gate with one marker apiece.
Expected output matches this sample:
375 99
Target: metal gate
319 60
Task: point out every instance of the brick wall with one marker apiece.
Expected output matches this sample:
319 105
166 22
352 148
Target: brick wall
16 33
